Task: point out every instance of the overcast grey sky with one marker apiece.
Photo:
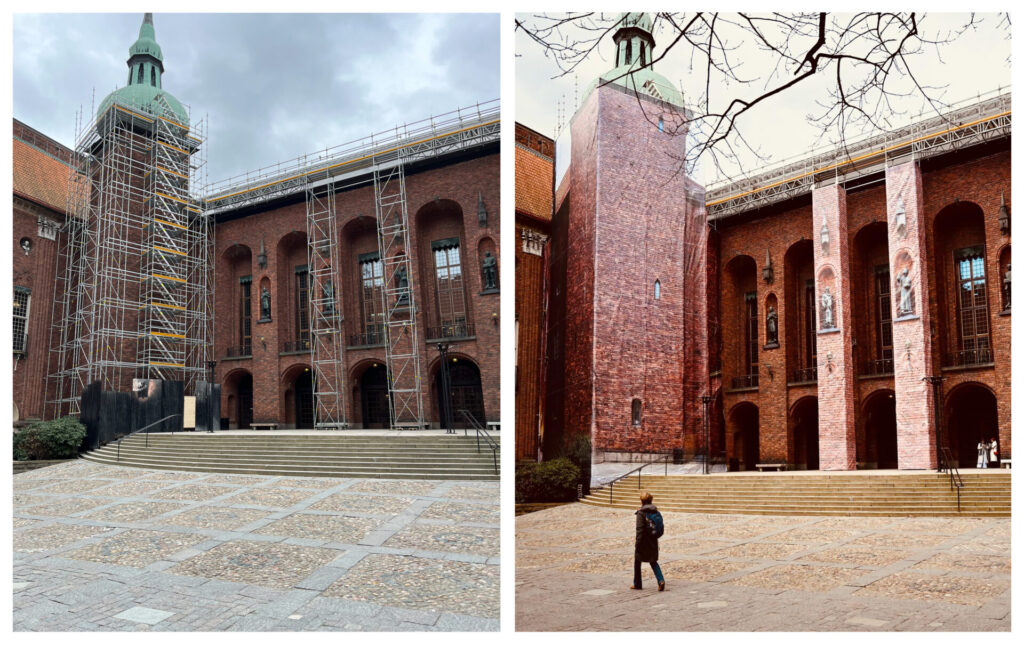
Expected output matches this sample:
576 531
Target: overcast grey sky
976 63
274 86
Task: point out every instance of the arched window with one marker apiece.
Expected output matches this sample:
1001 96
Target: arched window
643 54
636 412
138 77
657 289
152 76
629 51
661 124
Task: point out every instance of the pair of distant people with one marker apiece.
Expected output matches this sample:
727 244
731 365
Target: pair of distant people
988 453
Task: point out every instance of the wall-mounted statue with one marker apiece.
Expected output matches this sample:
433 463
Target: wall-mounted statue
329 298
402 277
772 326
901 219
827 320
489 265
824 239
265 305
1006 287
906 287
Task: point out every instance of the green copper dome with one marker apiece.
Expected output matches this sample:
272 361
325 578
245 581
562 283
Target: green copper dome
634 51
144 90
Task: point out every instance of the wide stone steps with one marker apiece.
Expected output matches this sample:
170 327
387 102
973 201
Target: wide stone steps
342 456
924 494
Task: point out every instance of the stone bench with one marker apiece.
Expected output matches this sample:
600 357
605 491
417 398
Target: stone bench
1005 463
263 425
494 425
778 467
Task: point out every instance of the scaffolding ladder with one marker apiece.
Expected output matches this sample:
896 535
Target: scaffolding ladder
325 318
401 338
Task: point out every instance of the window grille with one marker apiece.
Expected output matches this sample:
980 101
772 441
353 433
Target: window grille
20 328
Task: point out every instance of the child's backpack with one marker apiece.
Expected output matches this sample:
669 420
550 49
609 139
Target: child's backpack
655 524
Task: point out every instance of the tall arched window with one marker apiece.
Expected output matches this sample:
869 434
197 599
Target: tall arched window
636 412
657 289
138 77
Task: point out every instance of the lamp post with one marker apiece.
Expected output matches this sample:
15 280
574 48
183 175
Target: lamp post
706 401
936 382
210 365
446 393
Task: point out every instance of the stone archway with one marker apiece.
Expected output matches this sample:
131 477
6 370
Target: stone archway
804 418
746 437
466 392
373 397
880 445
971 415
238 389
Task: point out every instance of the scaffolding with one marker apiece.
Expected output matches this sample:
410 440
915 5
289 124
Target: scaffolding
327 345
968 124
133 291
401 333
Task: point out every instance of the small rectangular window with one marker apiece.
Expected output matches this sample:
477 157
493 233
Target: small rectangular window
22 296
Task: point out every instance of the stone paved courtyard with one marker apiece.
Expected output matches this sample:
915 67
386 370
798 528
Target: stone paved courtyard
762 573
100 548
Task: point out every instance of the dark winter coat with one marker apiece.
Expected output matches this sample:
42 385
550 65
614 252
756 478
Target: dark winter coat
646 543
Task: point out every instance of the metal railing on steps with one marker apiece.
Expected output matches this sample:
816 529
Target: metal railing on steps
145 429
639 476
471 419
949 466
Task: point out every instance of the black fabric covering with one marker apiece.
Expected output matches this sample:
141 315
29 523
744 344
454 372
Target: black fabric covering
207 406
109 415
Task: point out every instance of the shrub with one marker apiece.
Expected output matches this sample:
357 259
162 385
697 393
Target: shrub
48 440
546 482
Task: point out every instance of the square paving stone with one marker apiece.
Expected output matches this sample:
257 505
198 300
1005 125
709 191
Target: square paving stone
907 540
858 555
536 559
218 518
699 570
538 540
133 511
598 563
309 483
941 588
274 565
25 485
347 530
813 534
74 486
448 539
122 473
136 548
144 615
394 486
608 544
981 545
270 497
688 546
165 475
940 526
235 479
759 551
967 563
799 577
195 492
135 487
21 523
26 500
53 536
66 506
417 583
458 512
480 492
376 505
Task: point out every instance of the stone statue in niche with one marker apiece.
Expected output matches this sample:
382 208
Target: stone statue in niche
402 276
824 239
906 286
329 298
901 219
827 320
265 305
489 265
1006 286
772 326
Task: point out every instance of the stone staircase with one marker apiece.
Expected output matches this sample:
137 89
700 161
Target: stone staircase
323 455
986 493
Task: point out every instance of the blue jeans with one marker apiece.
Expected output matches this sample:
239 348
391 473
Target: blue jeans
638 581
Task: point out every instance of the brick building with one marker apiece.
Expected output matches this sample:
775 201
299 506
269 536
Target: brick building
270 286
836 313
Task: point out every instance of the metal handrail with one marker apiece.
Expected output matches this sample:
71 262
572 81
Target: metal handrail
639 477
471 419
949 467
129 435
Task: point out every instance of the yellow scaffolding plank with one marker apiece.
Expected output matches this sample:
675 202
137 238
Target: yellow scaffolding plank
167 334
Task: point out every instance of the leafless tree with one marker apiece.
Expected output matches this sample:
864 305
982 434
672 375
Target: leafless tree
864 64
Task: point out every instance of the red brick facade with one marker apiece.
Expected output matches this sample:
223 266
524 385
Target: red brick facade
847 395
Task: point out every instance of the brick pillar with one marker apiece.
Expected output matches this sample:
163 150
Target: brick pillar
911 332
837 436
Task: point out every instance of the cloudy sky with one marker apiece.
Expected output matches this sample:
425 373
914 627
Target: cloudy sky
976 63
273 86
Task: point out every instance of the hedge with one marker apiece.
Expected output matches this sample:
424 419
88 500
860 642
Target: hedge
49 440
551 481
